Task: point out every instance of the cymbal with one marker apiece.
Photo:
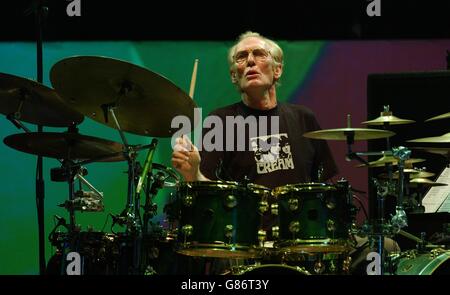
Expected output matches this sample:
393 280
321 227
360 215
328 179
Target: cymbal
413 173
144 102
426 182
390 159
388 119
341 134
444 151
70 146
29 101
443 116
436 139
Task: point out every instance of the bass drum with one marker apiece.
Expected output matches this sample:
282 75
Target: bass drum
433 263
269 269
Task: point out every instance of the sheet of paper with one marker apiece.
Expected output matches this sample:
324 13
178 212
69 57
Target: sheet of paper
438 198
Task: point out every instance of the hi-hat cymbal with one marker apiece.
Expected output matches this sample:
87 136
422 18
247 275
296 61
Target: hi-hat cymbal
342 133
70 146
413 173
29 101
425 182
432 140
443 116
390 159
144 102
388 119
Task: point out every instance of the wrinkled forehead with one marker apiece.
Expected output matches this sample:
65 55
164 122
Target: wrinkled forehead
251 43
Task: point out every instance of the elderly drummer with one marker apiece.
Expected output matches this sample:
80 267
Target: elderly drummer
275 153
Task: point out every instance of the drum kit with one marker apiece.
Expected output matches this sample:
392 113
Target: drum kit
304 228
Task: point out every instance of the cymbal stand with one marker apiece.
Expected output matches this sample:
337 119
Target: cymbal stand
17 123
399 220
40 12
377 231
131 215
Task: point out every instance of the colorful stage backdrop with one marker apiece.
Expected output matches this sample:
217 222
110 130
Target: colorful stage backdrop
328 77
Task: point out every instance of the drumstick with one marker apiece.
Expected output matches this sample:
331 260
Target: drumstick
193 79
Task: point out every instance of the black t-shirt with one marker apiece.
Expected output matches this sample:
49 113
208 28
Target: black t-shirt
270 158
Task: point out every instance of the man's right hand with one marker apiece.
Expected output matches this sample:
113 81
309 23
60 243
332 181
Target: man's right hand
186 159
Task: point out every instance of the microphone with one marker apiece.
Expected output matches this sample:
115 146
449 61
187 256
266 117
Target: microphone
147 165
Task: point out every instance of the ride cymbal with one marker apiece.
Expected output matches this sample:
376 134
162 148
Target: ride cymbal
144 102
413 173
425 182
390 159
443 116
388 119
68 146
343 133
433 140
29 101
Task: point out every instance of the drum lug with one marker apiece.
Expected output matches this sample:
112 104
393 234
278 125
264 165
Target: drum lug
331 225
293 204
346 264
274 209
188 200
263 207
262 235
230 201
330 202
275 232
319 267
187 230
229 231
294 227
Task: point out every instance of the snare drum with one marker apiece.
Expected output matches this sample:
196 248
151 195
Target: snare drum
220 219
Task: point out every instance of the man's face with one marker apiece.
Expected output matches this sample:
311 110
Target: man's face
254 66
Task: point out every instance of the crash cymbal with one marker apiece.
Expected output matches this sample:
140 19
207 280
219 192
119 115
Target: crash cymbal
413 173
388 118
29 101
71 146
342 133
433 140
144 102
390 159
443 116
425 182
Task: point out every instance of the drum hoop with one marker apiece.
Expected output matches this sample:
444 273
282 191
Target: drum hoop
303 187
223 185
219 250
241 270
434 264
